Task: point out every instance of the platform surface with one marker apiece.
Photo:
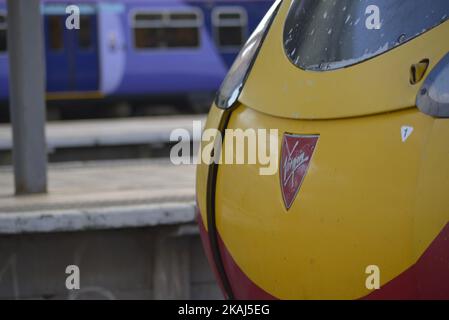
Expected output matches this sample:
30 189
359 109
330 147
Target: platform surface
100 195
109 132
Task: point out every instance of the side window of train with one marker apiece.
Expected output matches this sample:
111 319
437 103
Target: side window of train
55 30
154 30
230 27
3 31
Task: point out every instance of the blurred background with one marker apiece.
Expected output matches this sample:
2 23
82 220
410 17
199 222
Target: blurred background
89 94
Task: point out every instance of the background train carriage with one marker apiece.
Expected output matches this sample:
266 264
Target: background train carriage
137 48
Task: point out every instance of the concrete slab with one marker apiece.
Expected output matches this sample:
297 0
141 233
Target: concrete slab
128 226
101 195
130 263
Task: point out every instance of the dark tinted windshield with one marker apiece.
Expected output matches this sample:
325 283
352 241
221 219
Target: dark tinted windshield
329 34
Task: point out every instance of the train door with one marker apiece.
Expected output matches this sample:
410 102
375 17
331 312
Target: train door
59 67
86 54
71 54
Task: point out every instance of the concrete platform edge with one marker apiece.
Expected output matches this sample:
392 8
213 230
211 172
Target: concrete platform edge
116 217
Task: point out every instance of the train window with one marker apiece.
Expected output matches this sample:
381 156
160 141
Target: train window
183 16
149 17
3 31
85 32
55 30
167 30
341 39
230 27
146 37
183 30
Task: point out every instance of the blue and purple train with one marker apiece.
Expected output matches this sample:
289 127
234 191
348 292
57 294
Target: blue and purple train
138 48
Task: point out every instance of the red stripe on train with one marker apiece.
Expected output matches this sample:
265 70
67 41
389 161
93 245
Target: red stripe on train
428 278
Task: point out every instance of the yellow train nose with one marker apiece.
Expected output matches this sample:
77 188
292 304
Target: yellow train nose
361 198
356 206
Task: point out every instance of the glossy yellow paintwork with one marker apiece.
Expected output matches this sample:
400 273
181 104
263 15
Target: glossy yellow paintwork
368 197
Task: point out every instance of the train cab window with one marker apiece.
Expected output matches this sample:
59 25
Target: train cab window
167 30
3 31
230 27
85 33
55 30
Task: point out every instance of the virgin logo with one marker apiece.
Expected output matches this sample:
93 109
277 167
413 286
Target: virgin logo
297 151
